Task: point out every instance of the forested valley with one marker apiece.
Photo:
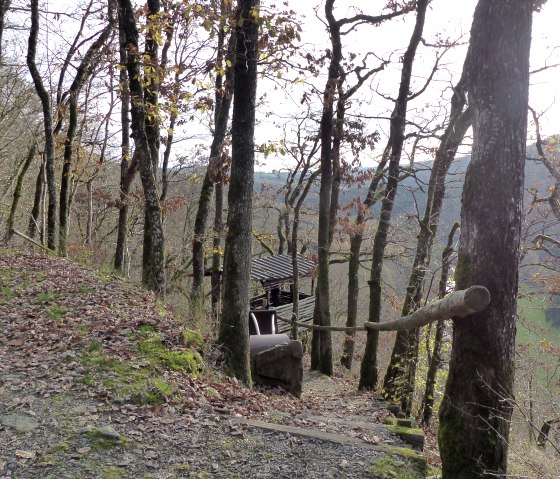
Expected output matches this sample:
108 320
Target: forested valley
219 216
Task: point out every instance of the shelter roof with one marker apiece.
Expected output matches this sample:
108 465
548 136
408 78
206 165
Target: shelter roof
278 269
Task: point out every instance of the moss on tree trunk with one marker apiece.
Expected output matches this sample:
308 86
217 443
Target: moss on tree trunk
476 409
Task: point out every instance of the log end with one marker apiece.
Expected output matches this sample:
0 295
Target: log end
477 298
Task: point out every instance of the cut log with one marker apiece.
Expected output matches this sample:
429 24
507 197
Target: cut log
457 304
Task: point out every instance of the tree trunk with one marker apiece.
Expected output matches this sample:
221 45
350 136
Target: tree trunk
17 192
321 345
476 409
48 124
435 359
84 71
368 370
216 276
354 261
128 167
215 162
234 326
35 217
153 269
152 79
89 220
401 373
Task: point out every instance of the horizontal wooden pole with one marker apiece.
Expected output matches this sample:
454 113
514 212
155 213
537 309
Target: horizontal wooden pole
457 304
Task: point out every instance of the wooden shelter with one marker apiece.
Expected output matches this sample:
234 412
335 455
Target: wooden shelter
276 276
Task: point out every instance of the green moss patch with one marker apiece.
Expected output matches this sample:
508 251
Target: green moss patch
154 351
127 381
143 380
389 467
412 435
6 295
112 472
417 459
194 340
56 312
101 442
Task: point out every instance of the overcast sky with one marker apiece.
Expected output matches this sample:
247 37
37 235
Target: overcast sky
446 19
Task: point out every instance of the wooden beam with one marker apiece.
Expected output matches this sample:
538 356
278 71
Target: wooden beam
457 304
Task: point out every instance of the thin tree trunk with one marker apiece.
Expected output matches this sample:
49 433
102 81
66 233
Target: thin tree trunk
18 191
169 31
354 258
216 276
128 168
153 269
224 87
48 124
368 371
476 409
35 217
152 76
435 359
84 71
400 376
234 326
89 220
321 345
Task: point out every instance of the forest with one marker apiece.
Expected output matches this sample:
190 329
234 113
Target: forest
400 158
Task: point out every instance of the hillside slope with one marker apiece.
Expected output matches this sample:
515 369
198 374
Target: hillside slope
98 381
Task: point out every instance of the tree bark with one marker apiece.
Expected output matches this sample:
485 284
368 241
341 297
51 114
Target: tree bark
321 344
476 409
48 124
153 269
152 79
368 370
234 326
218 229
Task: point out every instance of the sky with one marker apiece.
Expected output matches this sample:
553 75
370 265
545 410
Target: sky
446 19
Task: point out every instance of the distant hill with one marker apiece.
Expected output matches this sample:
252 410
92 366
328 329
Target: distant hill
411 194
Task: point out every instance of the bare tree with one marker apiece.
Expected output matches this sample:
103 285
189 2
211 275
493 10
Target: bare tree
331 136
45 98
402 369
84 71
368 371
224 88
153 267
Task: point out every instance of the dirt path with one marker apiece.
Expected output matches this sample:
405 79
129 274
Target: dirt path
97 382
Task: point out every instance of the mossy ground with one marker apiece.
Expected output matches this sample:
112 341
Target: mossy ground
390 467
142 379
